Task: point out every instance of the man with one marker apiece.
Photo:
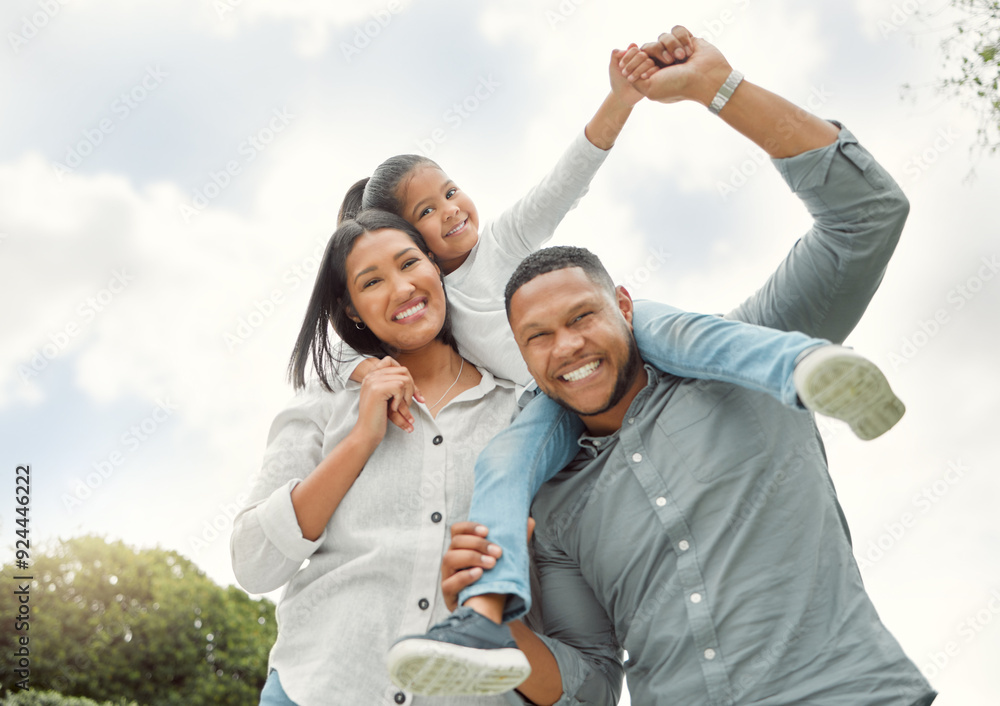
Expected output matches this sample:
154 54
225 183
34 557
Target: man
698 528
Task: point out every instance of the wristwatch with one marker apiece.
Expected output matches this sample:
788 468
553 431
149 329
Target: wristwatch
722 97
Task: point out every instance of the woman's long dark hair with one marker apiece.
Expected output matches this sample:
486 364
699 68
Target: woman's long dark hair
330 299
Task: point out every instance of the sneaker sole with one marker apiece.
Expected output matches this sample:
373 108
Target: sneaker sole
853 389
433 668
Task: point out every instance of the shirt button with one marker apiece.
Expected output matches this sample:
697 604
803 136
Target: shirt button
436 517
437 440
631 420
696 598
661 501
637 457
400 697
597 442
709 653
683 545
424 604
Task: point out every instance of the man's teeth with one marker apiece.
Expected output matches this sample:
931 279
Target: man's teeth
410 312
456 228
581 373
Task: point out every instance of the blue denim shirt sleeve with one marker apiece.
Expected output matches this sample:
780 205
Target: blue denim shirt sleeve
824 285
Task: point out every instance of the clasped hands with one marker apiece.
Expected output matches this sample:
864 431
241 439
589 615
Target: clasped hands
676 67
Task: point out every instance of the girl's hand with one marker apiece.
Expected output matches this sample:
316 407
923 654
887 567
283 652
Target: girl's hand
400 416
621 86
385 394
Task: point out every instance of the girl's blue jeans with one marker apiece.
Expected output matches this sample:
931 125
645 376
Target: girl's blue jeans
273 694
543 438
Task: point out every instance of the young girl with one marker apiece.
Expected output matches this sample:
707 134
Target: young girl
477 258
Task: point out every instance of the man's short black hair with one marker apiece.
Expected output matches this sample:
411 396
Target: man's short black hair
555 258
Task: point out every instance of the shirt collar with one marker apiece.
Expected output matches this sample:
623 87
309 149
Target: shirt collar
594 445
485 386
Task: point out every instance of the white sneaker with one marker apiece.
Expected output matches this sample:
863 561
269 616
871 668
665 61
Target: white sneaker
837 382
464 655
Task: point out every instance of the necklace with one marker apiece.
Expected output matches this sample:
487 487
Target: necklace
430 407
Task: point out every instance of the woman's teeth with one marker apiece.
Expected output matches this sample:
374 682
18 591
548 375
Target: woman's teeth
410 312
581 373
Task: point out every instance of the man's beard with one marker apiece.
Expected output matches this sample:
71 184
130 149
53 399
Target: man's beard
626 376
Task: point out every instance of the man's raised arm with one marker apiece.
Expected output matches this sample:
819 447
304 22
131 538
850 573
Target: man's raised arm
827 280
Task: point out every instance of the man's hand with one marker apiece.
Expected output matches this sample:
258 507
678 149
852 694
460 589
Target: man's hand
692 69
469 554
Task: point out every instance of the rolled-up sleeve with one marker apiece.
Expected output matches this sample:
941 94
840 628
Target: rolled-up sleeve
267 546
571 622
826 282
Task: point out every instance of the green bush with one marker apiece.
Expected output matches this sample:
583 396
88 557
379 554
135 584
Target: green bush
109 621
52 698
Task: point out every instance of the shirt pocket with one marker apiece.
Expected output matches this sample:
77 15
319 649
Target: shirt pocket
711 428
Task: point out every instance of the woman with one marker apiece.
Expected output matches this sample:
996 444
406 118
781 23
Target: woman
365 502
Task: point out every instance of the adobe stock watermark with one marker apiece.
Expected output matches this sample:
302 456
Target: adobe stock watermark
121 109
220 525
968 631
366 33
956 299
263 309
562 12
757 157
769 486
712 29
33 24
224 7
919 163
86 312
248 150
764 659
130 440
901 14
923 502
655 259
458 113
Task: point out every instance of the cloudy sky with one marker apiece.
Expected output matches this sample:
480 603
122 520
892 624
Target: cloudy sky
168 173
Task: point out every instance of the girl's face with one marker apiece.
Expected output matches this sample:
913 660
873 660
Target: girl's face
443 214
395 289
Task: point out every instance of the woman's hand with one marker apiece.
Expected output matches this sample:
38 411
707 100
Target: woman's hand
469 554
385 394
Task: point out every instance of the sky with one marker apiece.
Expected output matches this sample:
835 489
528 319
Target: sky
169 175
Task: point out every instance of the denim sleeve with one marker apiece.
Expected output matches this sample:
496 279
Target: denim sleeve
825 283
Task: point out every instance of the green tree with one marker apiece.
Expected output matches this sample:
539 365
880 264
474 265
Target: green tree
972 57
110 621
